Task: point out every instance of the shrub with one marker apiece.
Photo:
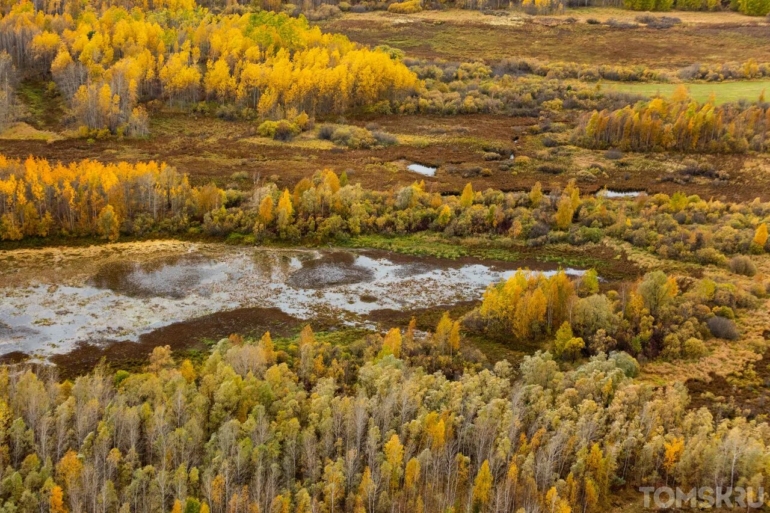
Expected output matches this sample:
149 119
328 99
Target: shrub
522 161
665 22
353 137
408 7
724 311
384 138
285 131
267 128
303 121
645 18
662 22
585 176
325 132
228 112
550 142
721 327
613 154
618 24
694 348
279 130
324 12
742 264
710 255
550 169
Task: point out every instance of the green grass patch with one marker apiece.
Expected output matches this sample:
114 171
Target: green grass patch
483 248
724 92
44 105
495 351
342 337
417 245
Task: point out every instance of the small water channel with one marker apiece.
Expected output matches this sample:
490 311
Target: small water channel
215 290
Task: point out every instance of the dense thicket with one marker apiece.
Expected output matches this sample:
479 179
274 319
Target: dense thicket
659 316
678 124
38 198
321 428
106 63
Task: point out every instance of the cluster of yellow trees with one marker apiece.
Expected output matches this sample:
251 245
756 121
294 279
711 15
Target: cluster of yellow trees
677 124
106 63
529 304
645 318
88 197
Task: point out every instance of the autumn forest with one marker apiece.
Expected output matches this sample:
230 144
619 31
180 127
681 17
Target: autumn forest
264 256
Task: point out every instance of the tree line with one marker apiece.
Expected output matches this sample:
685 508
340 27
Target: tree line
38 198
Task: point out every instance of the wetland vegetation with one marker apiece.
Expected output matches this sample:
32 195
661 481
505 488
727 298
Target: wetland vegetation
260 256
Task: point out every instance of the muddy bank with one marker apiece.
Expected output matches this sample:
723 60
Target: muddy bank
180 336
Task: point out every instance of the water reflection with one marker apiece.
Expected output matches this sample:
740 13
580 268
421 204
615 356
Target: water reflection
131 299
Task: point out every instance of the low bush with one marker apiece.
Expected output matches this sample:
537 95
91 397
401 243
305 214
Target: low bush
585 176
384 138
550 142
620 24
325 132
551 169
353 137
279 130
742 264
721 327
323 12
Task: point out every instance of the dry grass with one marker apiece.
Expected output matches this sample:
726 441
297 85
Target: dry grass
469 36
725 359
23 132
688 17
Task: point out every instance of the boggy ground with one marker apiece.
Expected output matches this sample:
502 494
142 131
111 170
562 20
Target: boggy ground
117 301
462 35
232 155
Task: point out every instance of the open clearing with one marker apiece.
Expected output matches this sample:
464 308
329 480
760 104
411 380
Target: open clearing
469 36
724 92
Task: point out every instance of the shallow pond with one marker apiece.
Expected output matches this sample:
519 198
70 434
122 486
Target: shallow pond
421 169
610 194
213 290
